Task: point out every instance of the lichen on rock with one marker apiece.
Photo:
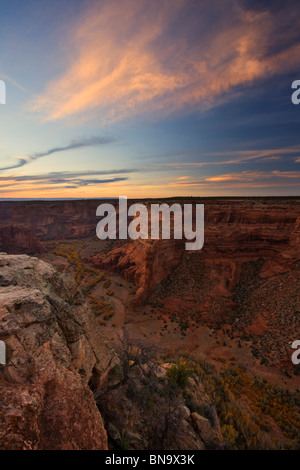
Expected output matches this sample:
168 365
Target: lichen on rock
54 350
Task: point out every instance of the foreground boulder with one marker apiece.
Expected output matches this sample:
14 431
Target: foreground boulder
54 351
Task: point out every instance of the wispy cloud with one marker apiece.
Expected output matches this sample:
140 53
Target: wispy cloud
75 144
232 181
244 179
66 179
238 157
12 81
62 175
20 161
130 57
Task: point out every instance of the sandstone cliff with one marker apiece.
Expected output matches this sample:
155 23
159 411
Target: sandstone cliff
19 239
56 356
54 350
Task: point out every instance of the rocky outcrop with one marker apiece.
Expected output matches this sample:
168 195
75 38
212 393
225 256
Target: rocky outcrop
161 418
146 263
54 351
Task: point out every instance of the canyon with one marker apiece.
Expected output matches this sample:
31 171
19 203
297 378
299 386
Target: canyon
235 284
234 303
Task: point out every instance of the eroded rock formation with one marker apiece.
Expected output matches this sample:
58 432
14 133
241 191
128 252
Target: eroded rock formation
54 349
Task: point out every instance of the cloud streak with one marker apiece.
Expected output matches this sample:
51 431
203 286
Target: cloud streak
75 144
238 157
67 179
244 179
134 57
12 81
62 175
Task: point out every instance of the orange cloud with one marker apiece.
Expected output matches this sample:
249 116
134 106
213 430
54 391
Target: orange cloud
243 179
248 176
242 176
130 57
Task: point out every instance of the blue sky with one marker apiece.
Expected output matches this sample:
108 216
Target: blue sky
144 99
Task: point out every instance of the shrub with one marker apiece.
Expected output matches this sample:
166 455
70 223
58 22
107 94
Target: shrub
179 374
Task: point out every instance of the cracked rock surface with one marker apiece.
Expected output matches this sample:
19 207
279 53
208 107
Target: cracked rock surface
53 350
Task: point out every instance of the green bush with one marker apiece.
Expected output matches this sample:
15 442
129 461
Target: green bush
178 374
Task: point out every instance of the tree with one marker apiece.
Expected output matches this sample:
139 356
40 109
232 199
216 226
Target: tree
165 420
132 355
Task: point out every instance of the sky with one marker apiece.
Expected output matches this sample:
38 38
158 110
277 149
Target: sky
109 98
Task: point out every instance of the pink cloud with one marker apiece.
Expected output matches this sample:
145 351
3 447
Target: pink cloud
135 57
